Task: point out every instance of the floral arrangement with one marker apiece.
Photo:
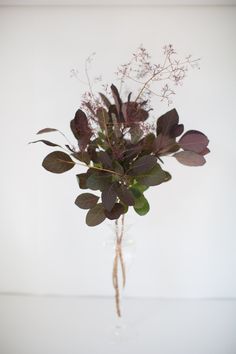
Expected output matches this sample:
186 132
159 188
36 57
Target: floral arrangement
121 150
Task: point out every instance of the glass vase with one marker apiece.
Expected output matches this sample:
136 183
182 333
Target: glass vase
122 248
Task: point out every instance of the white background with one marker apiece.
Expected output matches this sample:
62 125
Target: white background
186 245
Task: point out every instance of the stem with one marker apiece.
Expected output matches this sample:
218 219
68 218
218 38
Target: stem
118 257
93 167
163 68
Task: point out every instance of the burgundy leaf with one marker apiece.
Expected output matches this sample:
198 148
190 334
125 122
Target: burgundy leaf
147 143
142 164
166 122
190 158
47 142
105 159
47 130
58 162
118 102
132 151
205 151
86 200
95 216
125 195
176 130
133 113
193 140
105 100
117 210
82 180
69 148
103 117
82 156
109 197
81 129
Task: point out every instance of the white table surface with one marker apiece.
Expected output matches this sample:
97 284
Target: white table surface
87 325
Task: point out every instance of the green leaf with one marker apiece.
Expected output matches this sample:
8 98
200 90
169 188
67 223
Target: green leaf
95 216
86 200
154 177
142 206
58 162
136 192
142 188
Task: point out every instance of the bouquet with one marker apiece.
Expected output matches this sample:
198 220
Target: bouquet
123 146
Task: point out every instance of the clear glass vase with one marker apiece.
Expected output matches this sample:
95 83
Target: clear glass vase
121 246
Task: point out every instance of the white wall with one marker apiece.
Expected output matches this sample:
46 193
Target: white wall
186 245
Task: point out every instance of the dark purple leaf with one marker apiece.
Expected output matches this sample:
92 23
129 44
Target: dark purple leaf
132 151
205 151
147 143
47 130
96 215
58 162
109 197
190 158
125 195
166 122
162 144
82 180
92 152
194 141
86 200
49 143
118 103
103 117
116 212
81 129
69 148
105 100
176 130
82 156
142 165
105 159
133 113
117 167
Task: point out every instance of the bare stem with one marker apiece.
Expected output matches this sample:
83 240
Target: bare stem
93 167
118 257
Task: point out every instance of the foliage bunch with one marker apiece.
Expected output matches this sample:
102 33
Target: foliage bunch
122 155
